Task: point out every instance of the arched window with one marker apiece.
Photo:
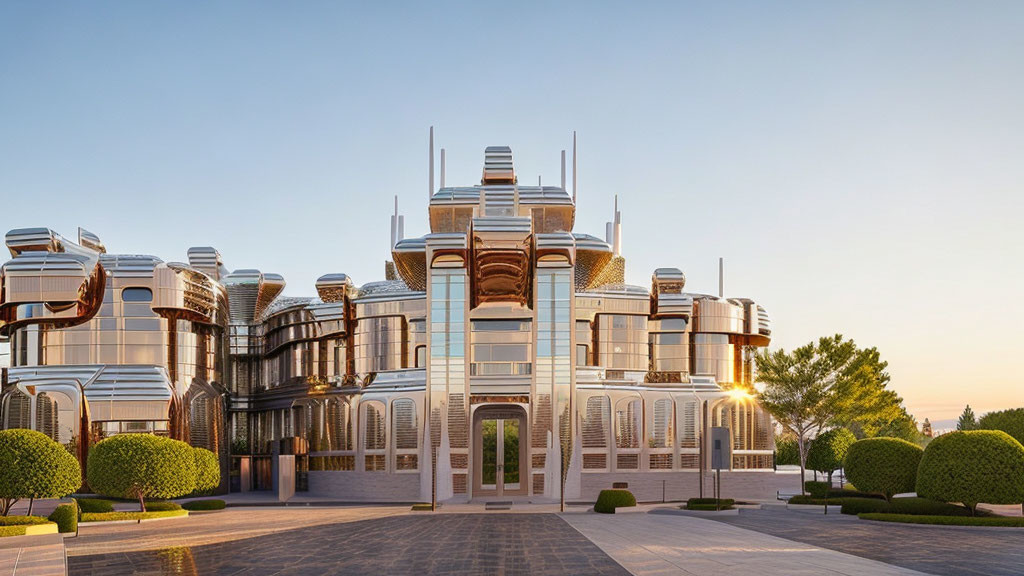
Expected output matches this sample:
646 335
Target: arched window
18 410
689 428
339 425
595 429
200 419
46 416
628 430
405 431
661 436
374 436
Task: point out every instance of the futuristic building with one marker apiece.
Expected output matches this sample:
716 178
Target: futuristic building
501 349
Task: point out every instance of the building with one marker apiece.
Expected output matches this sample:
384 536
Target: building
500 348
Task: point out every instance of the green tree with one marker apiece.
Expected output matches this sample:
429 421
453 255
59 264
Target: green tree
1009 421
825 384
34 466
207 470
786 451
972 467
886 466
828 450
141 466
967 420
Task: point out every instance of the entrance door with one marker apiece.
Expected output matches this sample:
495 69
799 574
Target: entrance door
498 454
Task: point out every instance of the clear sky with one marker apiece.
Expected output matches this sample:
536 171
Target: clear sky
860 166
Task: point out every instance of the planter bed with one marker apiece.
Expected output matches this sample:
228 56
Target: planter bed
712 512
973 521
125 517
816 508
28 529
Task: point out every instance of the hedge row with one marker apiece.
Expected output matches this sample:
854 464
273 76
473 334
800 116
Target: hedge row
114 516
609 500
95 505
66 518
208 505
947 520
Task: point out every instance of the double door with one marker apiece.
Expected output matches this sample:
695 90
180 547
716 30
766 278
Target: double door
499 449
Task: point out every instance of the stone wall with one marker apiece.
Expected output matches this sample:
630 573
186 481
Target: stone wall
649 486
351 486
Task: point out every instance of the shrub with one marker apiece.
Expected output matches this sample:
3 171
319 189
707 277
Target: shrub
609 500
850 493
804 500
162 506
700 501
142 466
95 505
886 466
816 489
116 516
66 518
972 467
22 520
828 451
947 520
925 507
209 505
1009 421
207 470
32 465
854 506
786 451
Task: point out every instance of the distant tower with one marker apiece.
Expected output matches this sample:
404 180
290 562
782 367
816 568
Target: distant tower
926 428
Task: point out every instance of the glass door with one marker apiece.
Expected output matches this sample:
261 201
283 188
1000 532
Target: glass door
499 456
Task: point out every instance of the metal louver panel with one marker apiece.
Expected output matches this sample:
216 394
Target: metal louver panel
458 427
375 431
596 422
403 417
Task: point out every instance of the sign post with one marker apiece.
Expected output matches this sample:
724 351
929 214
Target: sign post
721 456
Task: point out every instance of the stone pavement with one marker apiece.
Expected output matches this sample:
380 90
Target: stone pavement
664 544
939 550
32 556
408 544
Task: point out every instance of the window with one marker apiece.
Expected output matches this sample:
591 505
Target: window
500 325
374 436
627 423
421 357
662 435
136 294
595 422
581 355
405 433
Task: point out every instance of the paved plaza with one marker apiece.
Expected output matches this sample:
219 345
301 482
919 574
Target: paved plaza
528 539
937 550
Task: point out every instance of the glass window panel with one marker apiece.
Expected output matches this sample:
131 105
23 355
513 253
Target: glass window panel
136 294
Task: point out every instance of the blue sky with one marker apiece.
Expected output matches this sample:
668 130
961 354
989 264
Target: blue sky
858 165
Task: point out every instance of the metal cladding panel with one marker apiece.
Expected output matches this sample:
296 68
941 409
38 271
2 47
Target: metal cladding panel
515 225
498 165
675 304
22 240
91 241
45 277
333 287
130 265
243 287
206 259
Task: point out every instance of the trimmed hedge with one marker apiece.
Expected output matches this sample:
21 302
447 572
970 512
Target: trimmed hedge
972 467
142 466
66 518
207 470
22 520
1009 421
609 500
95 505
708 507
212 505
817 489
848 493
886 466
947 520
709 504
115 516
854 506
32 465
811 500
162 506
906 506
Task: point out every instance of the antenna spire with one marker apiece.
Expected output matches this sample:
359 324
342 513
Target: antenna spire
431 191
721 277
442 167
573 166
563 169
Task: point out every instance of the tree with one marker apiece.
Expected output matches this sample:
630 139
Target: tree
822 385
141 466
967 420
972 467
828 451
207 470
884 465
33 466
1009 421
786 451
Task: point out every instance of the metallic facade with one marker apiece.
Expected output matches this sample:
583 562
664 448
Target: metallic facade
500 347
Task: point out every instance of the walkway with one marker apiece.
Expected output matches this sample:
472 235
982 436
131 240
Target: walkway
32 556
663 544
934 549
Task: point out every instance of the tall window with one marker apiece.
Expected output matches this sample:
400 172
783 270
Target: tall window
374 436
628 431
405 432
622 341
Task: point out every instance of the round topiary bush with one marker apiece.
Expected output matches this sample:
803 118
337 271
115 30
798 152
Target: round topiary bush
141 466
972 467
95 505
32 465
828 451
207 470
66 518
609 500
885 466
